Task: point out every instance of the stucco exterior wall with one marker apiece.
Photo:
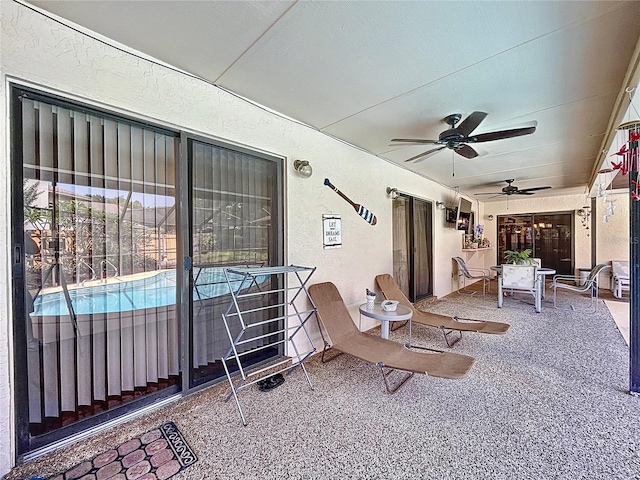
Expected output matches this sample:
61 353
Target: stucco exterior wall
613 236
6 416
40 52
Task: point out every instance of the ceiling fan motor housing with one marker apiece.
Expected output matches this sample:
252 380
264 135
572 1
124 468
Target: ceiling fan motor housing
458 137
452 119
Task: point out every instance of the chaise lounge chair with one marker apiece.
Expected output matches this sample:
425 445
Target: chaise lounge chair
346 338
447 325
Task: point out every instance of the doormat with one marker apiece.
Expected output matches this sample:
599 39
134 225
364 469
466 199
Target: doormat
157 455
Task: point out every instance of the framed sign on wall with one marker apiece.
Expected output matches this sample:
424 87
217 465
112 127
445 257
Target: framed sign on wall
331 231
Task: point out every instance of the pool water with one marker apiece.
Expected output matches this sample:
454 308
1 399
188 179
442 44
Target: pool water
150 292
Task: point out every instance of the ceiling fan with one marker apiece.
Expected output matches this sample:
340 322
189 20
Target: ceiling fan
513 190
458 138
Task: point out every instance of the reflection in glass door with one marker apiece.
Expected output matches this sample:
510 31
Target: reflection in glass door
548 235
95 282
553 241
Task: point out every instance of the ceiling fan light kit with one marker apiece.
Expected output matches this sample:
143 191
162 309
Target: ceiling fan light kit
458 137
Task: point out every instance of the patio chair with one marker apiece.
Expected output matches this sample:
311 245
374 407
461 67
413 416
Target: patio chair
466 274
385 354
589 285
619 277
447 325
520 278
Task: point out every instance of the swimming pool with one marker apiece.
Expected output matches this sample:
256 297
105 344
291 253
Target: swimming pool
124 295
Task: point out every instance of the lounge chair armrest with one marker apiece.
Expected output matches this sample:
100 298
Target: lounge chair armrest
485 271
570 278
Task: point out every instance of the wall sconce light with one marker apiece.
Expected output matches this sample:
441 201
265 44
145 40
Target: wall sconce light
490 217
441 206
303 168
393 192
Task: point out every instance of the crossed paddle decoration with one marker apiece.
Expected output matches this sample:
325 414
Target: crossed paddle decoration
368 216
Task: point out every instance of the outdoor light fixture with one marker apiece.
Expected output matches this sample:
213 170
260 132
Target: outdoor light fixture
441 206
393 192
303 168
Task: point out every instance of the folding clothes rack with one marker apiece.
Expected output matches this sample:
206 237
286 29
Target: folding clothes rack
272 319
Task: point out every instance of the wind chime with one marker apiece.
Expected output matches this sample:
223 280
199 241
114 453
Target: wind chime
628 153
628 156
585 213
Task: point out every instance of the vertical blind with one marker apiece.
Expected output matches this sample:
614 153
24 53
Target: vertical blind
233 210
101 285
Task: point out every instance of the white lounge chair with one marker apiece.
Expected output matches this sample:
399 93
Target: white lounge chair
619 277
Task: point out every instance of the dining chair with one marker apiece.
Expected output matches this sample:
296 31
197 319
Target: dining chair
466 274
576 284
520 278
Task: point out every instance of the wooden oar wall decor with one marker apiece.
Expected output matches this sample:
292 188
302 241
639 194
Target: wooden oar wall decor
368 216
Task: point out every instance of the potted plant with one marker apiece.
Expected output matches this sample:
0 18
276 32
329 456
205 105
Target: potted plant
518 258
371 298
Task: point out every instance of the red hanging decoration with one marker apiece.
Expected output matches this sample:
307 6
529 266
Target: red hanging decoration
629 161
634 137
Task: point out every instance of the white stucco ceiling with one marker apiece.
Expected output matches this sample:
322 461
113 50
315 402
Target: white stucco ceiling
366 72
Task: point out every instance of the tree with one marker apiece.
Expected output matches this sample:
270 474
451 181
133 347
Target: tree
38 217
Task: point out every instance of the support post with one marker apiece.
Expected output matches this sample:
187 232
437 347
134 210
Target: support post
634 287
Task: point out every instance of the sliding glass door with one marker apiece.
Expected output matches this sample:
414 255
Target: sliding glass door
94 265
413 246
236 221
116 282
548 235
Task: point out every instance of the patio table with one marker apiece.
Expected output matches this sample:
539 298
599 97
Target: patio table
401 314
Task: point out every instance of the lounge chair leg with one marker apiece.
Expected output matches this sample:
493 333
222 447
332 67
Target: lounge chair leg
423 348
446 337
400 325
464 288
393 389
326 348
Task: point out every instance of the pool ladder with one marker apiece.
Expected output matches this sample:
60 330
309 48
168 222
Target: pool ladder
106 263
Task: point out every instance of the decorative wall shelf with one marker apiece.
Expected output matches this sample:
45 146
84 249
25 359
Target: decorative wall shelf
476 249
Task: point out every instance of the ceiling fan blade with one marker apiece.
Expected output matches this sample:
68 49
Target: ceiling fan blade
466 151
417 141
522 190
424 154
470 123
499 135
